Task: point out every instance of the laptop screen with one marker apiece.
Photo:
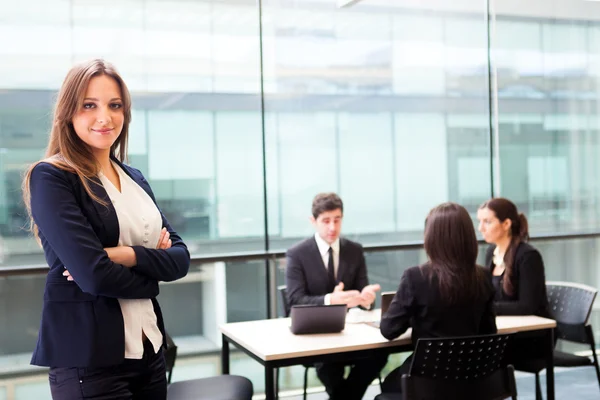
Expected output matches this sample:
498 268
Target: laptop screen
386 299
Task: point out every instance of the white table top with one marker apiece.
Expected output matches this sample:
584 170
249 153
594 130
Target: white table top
271 339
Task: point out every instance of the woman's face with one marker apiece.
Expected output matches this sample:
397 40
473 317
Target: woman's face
99 119
492 229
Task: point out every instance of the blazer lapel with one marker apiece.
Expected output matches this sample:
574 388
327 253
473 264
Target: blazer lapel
490 262
137 178
317 260
107 213
343 265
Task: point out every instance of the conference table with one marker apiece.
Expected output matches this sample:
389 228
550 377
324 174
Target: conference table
272 344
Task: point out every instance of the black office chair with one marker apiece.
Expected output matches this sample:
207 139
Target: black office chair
571 306
286 312
460 368
223 387
170 356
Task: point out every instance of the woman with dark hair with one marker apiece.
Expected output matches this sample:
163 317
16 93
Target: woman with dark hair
516 267
449 295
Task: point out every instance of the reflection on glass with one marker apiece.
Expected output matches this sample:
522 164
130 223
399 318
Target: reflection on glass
374 103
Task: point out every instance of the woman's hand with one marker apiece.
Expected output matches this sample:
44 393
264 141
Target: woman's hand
164 242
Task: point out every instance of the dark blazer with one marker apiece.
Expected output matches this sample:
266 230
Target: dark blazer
82 323
529 281
418 304
306 276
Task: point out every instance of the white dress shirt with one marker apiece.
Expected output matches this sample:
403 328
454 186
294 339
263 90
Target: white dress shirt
324 251
140 224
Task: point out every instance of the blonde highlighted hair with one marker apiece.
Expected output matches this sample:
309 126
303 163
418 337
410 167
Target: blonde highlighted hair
65 149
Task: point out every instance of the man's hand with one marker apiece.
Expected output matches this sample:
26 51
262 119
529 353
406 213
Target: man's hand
351 298
368 295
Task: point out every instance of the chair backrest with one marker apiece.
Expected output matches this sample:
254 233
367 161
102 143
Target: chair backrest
170 356
459 358
571 305
284 300
470 367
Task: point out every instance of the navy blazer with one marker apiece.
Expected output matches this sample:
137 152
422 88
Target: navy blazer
529 281
82 324
306 277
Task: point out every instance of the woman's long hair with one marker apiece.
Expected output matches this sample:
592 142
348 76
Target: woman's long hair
65 149
451 245
519 232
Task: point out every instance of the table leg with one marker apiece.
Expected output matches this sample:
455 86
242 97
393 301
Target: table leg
269 383
225 356
550 364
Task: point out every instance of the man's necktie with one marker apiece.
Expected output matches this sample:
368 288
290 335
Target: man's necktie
331 267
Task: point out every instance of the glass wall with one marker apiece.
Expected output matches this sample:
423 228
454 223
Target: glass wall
391 103
548 124
383 102
371 103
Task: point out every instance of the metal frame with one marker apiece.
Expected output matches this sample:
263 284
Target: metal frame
271 365
269 255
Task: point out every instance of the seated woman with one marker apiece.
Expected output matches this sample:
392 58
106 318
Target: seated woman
516 267
517 272
447 296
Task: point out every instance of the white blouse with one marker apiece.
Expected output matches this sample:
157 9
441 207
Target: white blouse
140 224
498 258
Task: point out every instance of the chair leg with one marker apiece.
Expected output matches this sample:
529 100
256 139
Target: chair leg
538 388
276 383
380 383
592 342
596 365
305 381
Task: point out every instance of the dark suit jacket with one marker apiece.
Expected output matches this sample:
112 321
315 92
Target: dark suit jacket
529 282
418 304
82 323
306 276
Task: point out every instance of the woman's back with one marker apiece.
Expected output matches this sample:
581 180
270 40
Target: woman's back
419 303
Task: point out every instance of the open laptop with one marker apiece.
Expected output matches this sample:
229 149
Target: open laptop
318 318
386 300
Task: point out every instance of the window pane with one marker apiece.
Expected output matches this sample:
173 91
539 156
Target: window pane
548 128
383 104
193 70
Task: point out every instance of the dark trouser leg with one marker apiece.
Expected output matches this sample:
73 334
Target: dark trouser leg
132 380
332 376
152 381
89 383
362 374
393 382
64 384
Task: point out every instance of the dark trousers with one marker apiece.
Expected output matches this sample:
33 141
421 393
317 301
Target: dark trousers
143 379
527 346
392 382
362 373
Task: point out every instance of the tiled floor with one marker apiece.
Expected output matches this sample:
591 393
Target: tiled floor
570 384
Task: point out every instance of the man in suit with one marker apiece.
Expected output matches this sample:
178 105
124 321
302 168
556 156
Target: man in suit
327 269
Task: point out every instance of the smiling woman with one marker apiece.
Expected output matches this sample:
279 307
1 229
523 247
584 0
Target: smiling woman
99 121
107 245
